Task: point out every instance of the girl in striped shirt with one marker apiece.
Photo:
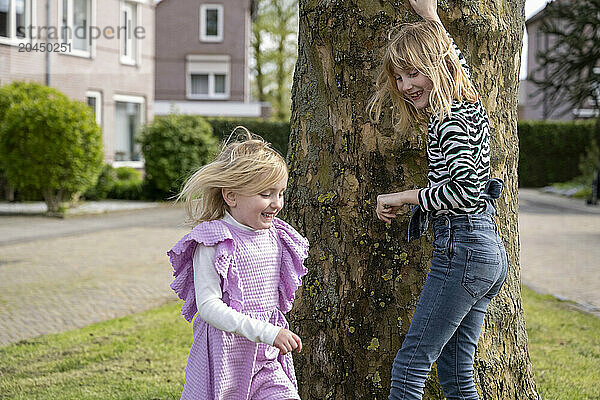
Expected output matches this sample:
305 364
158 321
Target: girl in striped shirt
426 78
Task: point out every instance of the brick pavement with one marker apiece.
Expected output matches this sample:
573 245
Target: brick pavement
560 247
57 275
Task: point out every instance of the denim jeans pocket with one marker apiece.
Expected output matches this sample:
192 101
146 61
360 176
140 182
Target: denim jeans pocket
481 271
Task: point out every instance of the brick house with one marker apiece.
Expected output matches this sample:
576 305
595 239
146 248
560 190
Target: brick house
103 54
202 58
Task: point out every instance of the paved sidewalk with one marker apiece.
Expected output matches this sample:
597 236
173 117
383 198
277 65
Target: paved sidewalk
560 247
61 274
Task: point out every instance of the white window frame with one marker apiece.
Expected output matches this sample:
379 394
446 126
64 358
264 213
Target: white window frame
98 110
91 50
202 25
135 58
210 65
30 20
131 99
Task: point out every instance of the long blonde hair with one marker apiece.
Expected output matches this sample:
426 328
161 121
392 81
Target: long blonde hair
248 165
426 47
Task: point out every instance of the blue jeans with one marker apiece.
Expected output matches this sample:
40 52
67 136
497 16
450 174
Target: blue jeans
468 269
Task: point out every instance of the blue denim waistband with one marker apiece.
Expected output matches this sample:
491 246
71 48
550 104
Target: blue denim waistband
469 222
419 220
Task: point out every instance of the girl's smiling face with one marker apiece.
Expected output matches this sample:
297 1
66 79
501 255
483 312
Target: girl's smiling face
414 86
256 211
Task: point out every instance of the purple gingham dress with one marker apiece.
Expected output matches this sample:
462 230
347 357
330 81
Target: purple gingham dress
260 272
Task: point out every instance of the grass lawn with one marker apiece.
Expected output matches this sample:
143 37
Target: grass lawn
143 356
564 345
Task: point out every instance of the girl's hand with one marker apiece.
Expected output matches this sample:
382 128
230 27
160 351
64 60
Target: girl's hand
427 9
388 205
287 341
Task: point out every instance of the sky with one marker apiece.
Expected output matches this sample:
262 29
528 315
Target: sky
531 8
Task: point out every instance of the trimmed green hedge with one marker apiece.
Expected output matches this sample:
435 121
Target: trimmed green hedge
174 146
550 151
274 132
117 183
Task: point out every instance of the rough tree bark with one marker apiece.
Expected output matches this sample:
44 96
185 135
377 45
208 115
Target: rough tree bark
357 301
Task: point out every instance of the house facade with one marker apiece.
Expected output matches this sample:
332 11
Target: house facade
532 105
202 58
97 51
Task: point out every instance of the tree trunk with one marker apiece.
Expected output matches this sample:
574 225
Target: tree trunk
364 279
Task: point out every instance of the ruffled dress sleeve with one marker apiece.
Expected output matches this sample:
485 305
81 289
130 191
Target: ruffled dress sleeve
211 233
294 252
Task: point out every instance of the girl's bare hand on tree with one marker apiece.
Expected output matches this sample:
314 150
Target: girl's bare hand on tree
427 9
388 205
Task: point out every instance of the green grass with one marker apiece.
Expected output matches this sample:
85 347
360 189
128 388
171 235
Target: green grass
580 187
143 356
564 345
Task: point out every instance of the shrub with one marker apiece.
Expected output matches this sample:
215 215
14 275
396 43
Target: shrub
550 151
104 184
590 161
128 185
276 133
174 146
48 143
117 183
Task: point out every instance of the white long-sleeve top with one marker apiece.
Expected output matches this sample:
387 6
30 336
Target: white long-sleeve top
209 298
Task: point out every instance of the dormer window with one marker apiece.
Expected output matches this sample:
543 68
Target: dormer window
211 23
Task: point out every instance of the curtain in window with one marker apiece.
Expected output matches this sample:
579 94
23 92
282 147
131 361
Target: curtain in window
21 12
128 118
200 84
80 24
219 84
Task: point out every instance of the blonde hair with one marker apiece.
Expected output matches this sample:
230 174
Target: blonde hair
248 166
426 47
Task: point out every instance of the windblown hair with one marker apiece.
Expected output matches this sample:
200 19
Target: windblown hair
248 165
426 47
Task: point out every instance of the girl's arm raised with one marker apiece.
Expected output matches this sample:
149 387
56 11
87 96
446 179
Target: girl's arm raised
427 9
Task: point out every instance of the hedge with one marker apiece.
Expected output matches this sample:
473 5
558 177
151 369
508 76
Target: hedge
274 132
123 183
550 151
174 146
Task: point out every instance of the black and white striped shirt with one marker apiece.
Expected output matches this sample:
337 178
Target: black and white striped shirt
458 153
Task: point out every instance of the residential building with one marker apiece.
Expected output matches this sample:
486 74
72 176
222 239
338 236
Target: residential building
532 104
202 58
101 52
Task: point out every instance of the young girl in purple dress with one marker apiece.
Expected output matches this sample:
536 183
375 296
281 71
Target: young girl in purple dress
239 269
424 75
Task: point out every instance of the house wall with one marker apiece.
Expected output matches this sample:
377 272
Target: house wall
102 72
534 107
178 35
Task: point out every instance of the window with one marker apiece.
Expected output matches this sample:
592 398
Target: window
15 19
129 41
129 117
75 18
94 100
211 23
207 77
